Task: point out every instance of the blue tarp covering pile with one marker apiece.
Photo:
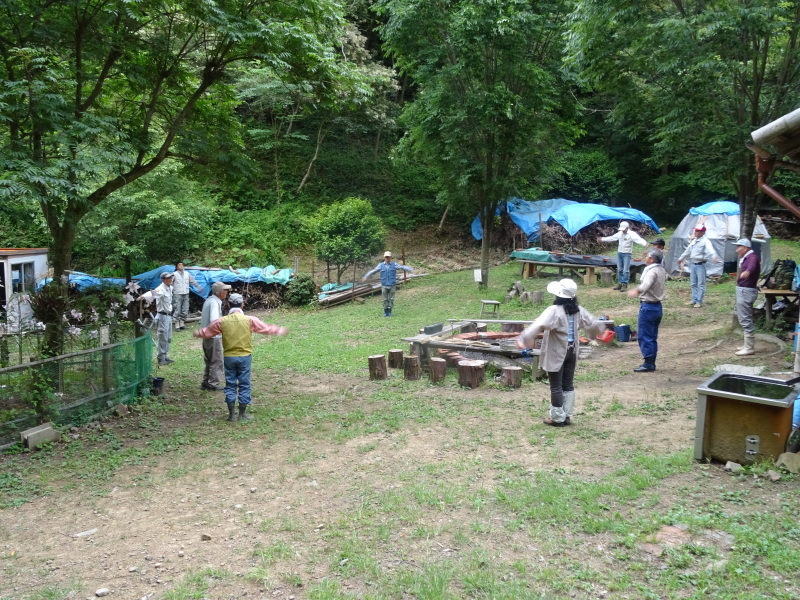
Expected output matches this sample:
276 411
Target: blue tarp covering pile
205 278
575 217
526 215
717 207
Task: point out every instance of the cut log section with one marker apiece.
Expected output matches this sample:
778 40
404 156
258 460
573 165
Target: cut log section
396 359
471 373
512 377
512 327
377 367
437 370
412 368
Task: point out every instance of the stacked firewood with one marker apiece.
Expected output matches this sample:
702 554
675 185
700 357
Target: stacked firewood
556 239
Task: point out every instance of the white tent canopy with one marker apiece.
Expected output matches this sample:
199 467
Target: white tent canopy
721 220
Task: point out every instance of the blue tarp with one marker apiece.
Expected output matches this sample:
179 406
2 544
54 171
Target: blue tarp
526 215
151 279
575 217
717 207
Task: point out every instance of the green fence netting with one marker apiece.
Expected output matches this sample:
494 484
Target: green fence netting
73 388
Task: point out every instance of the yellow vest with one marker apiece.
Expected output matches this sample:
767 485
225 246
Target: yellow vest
236 337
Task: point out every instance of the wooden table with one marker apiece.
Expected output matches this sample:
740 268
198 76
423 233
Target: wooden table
791 298
531 268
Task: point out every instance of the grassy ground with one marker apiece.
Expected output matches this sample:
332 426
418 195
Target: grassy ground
345 488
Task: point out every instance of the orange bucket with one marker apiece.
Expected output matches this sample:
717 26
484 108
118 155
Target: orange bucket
607 336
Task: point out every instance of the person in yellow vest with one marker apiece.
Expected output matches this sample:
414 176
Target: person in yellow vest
237 331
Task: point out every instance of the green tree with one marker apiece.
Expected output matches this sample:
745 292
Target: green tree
693 78
345 233
162 218
491 110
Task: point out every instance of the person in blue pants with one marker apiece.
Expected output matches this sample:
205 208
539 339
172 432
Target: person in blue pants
650 292
388 270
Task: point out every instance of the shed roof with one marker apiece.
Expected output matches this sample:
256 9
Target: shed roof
782 133
22 251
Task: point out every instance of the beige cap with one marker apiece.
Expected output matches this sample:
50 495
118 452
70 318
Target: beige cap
387 253
218 286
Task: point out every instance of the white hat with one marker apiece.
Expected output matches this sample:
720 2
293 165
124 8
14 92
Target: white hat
744 242
167 274
624 225
387 253
566 288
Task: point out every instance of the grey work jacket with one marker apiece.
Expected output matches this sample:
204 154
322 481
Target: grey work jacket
555 327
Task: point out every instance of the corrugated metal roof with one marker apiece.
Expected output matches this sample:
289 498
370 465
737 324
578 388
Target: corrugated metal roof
783 134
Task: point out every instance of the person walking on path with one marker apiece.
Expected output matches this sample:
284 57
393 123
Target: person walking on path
560 324
698 252
651 293
747 293
626 238
212 347
388 269
237 331
163 298
180 296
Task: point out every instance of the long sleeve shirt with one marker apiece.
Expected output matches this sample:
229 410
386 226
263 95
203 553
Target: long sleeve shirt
212 310
163 297
554 324
389 272
751 264
236 330
626 240
181 282
699 250
652 288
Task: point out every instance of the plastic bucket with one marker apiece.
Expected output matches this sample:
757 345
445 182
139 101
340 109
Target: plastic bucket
623 333
607 336
158 386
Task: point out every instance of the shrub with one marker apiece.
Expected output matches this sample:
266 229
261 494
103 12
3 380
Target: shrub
301 290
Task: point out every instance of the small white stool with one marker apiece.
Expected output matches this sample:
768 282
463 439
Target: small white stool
491 308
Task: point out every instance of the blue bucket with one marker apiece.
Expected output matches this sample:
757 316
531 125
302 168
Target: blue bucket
623 333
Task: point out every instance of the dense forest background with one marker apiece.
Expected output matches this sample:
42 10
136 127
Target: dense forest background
431 110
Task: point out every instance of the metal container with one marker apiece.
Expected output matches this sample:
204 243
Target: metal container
743 418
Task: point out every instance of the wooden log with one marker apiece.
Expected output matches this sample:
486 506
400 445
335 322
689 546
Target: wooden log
519 287
453 359
377 367
396 359
482 327
412 368
537 297
437 370
512 376
471 373
512 327
525 298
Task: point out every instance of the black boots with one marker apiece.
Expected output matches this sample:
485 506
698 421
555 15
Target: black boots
231 409
242 413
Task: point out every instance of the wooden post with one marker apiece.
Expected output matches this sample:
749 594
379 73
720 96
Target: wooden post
537 297
377 367
354 281
412 368
471 373
396 359
437 370
403 256
512 376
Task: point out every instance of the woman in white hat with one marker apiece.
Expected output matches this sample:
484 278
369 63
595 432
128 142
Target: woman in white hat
560 324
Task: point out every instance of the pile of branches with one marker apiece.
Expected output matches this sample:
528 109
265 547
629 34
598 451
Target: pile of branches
257 296
556 239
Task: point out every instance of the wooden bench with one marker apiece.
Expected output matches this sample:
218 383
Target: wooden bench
791 298
531 268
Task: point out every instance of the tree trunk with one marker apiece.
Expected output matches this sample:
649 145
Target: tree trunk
437 370
412 368
512 376
485 248
395 359
320 136
444 216
471 373
749 200
377 367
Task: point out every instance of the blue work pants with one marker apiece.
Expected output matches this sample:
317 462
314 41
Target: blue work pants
237 379
623 267
698 279
649 320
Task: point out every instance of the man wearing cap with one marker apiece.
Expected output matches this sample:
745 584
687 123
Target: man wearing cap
659 243
651 293
626 238
747 293
212 347
163 297
388 269
698 252
180 296
237 347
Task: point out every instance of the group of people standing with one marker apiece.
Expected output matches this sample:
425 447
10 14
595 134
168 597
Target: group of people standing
560 323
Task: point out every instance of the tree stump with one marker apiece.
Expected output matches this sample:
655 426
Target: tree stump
453 359
512 327
606 277
512 376
437 370
377 367
525 298
412 368
396 359
471 373
482 327
537 297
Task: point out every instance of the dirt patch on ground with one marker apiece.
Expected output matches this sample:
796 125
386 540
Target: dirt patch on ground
272 511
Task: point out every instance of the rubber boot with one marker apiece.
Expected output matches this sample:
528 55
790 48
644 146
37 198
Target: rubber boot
558 418
617 287
385 312
749 345
231 412
623 287
569 403
243 416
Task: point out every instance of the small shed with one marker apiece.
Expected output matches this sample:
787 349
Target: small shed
20 270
